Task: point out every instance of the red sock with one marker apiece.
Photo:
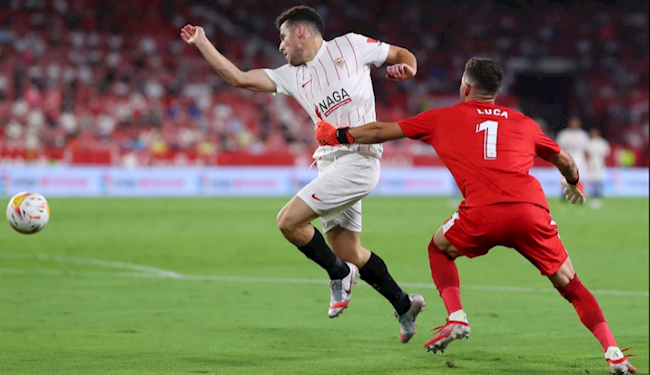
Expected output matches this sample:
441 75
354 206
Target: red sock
445 276
588 310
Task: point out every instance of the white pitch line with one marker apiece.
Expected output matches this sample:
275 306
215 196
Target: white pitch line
54 272
152 272
92 261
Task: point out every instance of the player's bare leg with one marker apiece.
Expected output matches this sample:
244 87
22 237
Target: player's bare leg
346 244
570 287
445 275
372 269
294 221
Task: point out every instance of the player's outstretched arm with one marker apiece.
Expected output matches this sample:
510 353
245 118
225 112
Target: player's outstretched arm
253 80
374 132
405 64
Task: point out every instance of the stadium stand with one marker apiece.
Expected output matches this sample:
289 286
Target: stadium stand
79 84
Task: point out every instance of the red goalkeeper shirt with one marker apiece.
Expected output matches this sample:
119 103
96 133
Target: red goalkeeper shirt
488 149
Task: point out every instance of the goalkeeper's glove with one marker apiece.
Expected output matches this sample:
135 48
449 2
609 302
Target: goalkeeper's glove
328 135
574 190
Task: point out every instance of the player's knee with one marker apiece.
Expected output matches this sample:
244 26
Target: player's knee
563 275
561 278
445 248
285 224
440 243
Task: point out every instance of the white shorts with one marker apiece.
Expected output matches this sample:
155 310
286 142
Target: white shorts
335 195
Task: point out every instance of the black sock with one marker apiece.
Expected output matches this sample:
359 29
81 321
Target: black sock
318 251
376 274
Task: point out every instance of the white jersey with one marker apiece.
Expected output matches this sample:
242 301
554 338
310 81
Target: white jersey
597 151
335 86
575 142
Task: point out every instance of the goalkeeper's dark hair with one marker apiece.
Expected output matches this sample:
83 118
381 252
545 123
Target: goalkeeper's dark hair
485 74
302 14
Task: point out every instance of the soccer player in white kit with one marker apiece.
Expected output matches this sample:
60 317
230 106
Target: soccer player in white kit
574 140
597 151
331 80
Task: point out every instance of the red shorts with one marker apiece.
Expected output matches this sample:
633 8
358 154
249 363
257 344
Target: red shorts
525 227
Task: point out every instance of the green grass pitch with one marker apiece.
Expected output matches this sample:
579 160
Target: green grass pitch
91 295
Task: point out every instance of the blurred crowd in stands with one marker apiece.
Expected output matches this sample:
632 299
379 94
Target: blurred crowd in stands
115 75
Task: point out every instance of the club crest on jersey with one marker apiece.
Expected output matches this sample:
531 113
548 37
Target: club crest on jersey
332 102
339 61
493 112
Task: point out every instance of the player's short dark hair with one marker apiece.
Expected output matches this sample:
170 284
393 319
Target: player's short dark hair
301 14
485 74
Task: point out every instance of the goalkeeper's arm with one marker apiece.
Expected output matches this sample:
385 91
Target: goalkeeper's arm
574 190
566 165
374 132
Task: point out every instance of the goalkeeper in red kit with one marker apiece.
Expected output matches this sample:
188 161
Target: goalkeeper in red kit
489 150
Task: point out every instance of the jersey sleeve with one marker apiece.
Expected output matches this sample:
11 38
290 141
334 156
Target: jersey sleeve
544 146
370 51
420 126
283 78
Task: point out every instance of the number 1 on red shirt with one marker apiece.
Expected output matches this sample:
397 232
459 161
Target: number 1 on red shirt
490 139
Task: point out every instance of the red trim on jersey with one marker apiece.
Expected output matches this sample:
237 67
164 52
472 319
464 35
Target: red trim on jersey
304 79
311 86
326 77
344 61
349 121
298 82
370 40
318 78
354 52
333 63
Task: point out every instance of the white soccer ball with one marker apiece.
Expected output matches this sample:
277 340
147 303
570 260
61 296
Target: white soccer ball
28 212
